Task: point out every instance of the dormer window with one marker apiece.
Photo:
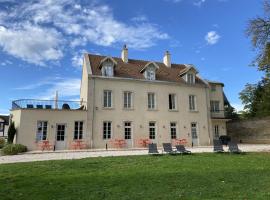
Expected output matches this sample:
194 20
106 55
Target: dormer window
149 71
190 78
107 70
150 75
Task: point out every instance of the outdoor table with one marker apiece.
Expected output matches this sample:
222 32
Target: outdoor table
145 142
78 144
45 145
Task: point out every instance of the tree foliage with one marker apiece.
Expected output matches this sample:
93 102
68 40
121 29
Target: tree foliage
11 132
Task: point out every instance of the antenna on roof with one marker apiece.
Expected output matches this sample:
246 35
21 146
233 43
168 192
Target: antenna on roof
56 100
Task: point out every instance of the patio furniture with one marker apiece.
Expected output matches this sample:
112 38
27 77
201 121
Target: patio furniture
218 148
167 147
152 149
119 143
233 147
182 149
78 144
45 145
180 141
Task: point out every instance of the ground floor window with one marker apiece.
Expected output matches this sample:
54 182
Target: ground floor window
127 130
60 132
107 130
173 130
194 130
152 130
78 130
42 127
216 131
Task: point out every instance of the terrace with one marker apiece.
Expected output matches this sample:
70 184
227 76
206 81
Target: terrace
48 104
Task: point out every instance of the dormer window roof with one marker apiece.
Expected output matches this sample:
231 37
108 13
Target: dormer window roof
149 71
189 74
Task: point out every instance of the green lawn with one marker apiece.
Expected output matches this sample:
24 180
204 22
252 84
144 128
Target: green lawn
200 176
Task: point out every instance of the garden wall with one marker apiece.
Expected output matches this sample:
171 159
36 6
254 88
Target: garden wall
253 131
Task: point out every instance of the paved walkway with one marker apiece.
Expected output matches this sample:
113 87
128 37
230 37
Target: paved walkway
61 155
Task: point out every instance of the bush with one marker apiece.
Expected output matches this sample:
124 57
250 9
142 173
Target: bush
13 149
2 142
11 132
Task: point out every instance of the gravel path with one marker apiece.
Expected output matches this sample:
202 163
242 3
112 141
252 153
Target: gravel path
60 155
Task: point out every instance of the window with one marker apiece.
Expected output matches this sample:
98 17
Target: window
214 106
192 102
107 69
216 131
127 130
173 130
107 130
78 130
151 101
60 132
107 99
213 88
172 102
152 130
128 100
150 74
190 78
194 130
42 127
1 126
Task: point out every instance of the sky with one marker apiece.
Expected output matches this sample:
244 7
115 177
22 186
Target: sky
42 42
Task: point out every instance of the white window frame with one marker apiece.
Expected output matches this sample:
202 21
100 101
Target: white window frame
190 78
129 103
194 128
107 133
107 69
150 128
42 134
174 101
151 101
107 102
78 130
175 127
126 127
215 106
192 99
216 131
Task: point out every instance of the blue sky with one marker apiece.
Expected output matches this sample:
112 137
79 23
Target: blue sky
42 42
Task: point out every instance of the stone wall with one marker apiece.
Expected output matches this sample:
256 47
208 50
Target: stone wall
253 131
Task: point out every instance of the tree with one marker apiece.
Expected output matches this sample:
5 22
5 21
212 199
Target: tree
11 132
259 31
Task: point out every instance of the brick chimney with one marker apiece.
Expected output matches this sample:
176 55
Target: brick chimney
124 54
167 59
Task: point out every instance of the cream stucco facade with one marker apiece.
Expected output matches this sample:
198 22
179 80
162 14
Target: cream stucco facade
137 115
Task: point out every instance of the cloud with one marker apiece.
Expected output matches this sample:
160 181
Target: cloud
238 106
199 3
77 59
36 31
66 87
212 37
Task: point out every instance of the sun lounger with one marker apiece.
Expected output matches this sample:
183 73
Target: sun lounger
218 146
182 149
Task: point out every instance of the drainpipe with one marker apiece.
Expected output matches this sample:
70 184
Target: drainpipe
93 111
208 114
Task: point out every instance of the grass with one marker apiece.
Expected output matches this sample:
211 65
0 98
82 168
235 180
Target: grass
200 176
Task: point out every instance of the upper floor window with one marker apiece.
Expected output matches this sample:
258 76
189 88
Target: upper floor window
127 100
190 78
107 99
192 102
42 127
151 100
214 106
172 102
107 69
78 130
150 74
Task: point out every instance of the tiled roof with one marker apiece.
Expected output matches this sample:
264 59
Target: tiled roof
133 67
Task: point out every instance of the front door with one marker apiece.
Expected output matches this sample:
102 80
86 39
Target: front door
128 134
60 137
194 134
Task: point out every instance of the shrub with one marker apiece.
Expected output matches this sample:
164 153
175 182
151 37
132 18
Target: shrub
13 149
11 132
2 142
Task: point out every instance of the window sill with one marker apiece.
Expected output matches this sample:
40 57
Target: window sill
193 111
173 110
107 108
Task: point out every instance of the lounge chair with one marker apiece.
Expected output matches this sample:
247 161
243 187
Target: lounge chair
167 147
182 149
152 149
233 147
218 146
